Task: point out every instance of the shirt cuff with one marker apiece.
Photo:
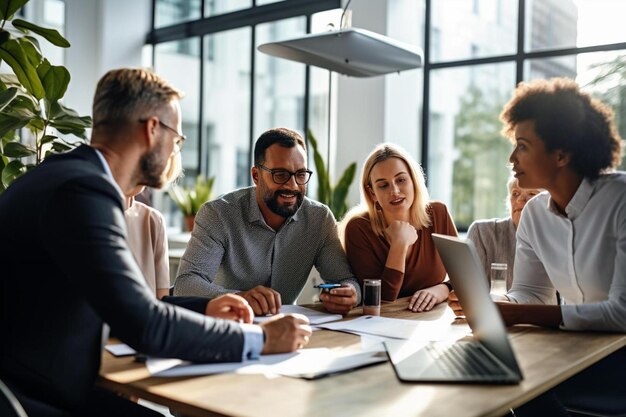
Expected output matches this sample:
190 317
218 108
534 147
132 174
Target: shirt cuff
252 341
357 289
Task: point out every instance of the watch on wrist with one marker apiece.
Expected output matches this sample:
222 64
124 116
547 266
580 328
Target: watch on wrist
447 284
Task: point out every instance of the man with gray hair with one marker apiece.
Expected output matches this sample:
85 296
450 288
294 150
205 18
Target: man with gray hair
67 268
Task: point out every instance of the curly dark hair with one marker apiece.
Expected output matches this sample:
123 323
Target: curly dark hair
567 119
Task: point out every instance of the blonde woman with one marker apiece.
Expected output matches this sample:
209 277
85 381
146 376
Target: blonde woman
388 236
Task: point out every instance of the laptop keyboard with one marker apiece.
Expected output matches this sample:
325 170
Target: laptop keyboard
464 359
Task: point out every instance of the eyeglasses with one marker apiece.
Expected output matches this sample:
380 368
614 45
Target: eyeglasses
282 176
180 138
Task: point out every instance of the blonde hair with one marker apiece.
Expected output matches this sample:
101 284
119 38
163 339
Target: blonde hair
125 94
174 168
419 210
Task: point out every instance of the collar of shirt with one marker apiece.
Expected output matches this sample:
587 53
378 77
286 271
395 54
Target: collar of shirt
578 202
254 212
109 174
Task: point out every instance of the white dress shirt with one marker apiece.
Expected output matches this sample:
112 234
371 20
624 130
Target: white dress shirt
582 255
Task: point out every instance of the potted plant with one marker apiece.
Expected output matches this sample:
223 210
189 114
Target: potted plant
30 98
333 196
190 199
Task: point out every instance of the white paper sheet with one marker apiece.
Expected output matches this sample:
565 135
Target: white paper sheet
314 316
377 326
305 363
438 330
120 349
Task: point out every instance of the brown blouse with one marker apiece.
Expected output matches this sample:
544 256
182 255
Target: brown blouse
367 253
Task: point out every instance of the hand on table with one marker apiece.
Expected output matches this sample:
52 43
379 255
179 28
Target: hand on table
285 333
230 307
426 299
339 300
263 300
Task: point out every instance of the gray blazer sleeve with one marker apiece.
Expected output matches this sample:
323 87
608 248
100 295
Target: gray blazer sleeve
475 233
203 256
94 256
331 260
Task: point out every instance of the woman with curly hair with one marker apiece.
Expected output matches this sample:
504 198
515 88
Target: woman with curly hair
572 238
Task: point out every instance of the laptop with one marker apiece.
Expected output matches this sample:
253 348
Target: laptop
489 358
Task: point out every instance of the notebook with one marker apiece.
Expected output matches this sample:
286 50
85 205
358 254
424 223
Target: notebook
489 358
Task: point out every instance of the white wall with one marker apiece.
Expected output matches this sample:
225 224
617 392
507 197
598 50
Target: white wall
360 102
382 108
104 34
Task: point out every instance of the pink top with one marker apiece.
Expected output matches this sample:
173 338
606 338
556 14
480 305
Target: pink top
147 239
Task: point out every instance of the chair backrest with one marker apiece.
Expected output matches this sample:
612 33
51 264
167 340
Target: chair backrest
9 405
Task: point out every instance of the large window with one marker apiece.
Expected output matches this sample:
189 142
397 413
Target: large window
232 92
226 102
478 52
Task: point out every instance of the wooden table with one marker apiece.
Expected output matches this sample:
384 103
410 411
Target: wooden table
547 357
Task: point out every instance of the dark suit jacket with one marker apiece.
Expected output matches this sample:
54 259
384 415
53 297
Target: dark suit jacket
65 268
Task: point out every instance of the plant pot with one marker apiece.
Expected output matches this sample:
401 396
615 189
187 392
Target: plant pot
188 223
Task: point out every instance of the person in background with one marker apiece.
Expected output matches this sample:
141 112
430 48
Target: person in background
573 237
388 236
147 234
67 269
261 242
494 239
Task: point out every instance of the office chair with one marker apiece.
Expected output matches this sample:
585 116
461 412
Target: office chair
9 405
605 397
610 407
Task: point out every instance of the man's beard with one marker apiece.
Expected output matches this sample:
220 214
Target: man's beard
153 168
271 201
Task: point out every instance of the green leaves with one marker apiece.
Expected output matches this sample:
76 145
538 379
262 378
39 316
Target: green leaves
17 150
340 193
29 98
190 199
66 120
55 80
9 7
7 96
333 197
51 35
11 172
12 53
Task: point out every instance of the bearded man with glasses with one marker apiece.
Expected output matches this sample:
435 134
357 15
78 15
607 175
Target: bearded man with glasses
261 242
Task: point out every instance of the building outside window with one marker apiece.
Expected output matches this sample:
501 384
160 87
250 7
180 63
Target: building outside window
474 74
478 52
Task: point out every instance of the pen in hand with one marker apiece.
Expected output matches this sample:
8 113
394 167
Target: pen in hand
327 287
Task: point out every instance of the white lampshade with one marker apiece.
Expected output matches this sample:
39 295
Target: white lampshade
355 52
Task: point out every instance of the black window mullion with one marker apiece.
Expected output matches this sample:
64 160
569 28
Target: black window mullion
252 97
426 88
247 17
307 84
521 31
203 139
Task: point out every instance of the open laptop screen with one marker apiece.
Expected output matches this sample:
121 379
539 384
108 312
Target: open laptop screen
472 287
